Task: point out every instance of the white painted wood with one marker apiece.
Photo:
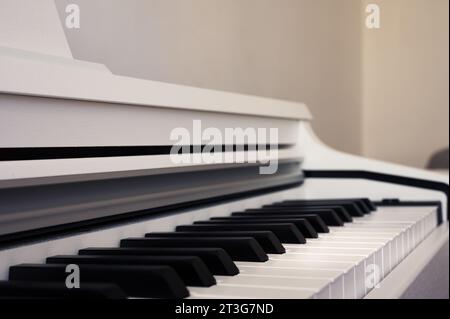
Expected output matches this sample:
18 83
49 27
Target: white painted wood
82 103
34 44
33 26
42 122
322 157
23 76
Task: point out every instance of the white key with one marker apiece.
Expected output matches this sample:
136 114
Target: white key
345 269
333 265
277 281
259 291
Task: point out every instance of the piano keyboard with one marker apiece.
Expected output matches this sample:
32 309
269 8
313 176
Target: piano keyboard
88 179
289 249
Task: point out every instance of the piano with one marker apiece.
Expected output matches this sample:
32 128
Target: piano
87 180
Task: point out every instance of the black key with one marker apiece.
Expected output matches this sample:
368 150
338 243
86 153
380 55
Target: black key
301 223
58 290
369 204
340 211
390 201
239 248
356 208
268 241
350 207
135 281
191 269
328 216
364 204
361 204
286 233
216 259
315 221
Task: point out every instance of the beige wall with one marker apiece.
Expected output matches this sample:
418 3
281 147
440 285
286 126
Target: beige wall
301 50
382 93
405 73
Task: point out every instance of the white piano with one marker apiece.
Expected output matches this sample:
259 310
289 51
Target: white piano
87 179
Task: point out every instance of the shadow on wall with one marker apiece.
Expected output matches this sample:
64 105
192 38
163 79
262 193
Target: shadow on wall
439 160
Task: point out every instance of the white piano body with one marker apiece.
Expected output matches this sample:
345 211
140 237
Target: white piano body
82 150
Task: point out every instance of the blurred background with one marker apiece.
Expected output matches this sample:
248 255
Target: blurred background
382 93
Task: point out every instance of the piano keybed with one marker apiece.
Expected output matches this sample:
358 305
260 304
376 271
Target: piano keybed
87 179
289 249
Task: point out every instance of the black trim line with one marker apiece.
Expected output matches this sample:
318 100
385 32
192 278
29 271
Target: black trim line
381 177
41 153
399 203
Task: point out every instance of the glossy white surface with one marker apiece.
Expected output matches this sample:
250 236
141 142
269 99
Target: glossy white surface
333 266
330 266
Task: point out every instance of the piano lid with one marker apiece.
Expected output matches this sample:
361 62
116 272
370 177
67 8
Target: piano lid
35 59
32 26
